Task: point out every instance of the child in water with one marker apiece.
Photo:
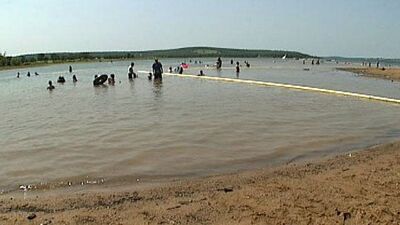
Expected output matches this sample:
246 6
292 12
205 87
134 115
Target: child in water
50 87
111 79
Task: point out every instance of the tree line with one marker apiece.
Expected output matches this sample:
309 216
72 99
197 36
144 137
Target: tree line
193 52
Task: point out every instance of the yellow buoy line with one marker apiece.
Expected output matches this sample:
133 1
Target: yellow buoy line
290 86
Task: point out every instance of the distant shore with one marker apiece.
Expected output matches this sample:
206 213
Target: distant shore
11 62
40 64
387 73
356 188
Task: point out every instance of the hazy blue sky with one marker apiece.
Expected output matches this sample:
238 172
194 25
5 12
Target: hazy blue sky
321 27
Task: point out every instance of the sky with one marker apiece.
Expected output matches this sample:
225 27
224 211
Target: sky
351 28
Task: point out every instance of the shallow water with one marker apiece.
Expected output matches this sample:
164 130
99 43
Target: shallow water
181 127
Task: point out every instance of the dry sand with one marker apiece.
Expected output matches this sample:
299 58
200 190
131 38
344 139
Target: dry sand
357 188
388 73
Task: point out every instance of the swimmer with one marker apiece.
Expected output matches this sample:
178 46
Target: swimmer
36 74
50 87
74 79
28 74
61 79
70 69
111 79
18 75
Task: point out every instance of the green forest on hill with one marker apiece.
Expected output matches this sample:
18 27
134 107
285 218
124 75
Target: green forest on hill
44 58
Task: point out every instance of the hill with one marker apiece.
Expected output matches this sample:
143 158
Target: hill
190 52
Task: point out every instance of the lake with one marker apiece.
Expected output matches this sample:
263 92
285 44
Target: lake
180 127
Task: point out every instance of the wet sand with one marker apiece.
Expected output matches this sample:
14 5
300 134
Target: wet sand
388 73
357 188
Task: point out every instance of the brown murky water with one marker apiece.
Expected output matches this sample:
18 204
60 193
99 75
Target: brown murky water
180 127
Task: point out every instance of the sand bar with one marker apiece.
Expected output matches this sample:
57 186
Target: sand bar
387 73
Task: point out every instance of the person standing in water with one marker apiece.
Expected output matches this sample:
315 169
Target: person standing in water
131 73
157 69
237 69
18 75
180 69
74 79
70 69
219 63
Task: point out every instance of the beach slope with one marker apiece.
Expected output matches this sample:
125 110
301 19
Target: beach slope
357 188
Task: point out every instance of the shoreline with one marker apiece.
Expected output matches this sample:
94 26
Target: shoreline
354 188
387 73
46 64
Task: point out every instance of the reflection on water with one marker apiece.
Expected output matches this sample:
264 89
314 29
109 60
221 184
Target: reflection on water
180 126
100 89
157 87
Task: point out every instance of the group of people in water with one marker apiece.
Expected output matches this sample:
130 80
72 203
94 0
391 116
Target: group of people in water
157 71
62 80
378 64
28 74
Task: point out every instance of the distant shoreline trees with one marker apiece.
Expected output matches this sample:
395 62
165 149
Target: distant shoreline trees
191 52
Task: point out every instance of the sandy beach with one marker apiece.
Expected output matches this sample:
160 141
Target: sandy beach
357 188
387 73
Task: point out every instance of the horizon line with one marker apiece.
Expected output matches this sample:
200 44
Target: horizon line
177 48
